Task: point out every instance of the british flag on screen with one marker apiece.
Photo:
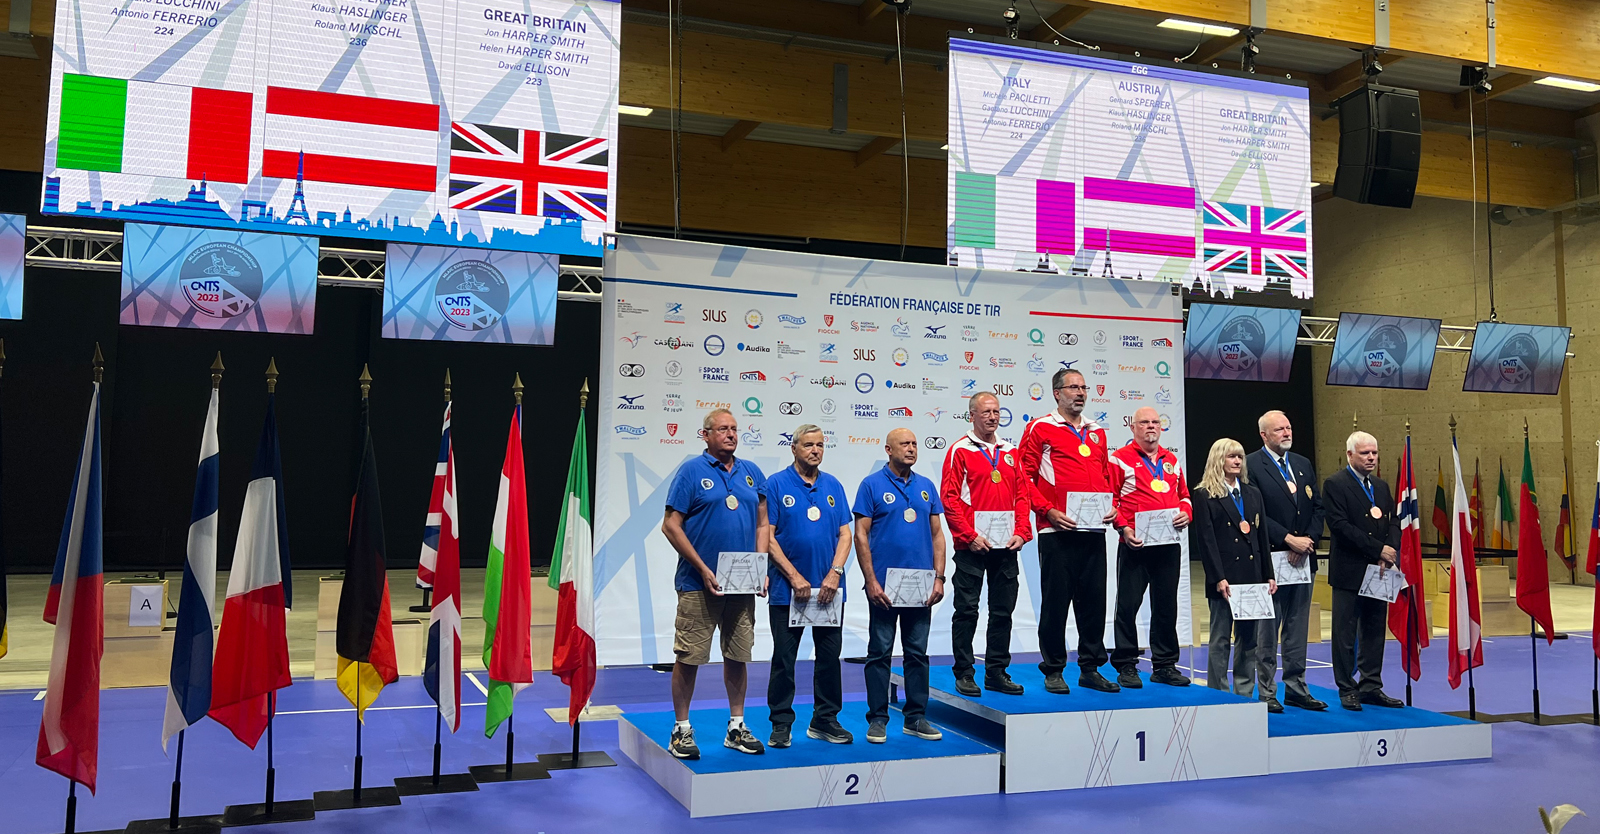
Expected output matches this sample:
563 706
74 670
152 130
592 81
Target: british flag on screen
1256 240
517 171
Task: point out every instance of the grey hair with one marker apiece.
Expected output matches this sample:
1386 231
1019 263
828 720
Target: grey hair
1356 438
711 417
1261 424
972 401
805 429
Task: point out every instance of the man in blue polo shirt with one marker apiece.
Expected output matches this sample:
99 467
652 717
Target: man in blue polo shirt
808 520
714 506
897 526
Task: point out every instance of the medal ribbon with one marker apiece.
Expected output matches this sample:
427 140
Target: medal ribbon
1238 501
1083 436
1154 468
1365 487
727 484
895 479
994 460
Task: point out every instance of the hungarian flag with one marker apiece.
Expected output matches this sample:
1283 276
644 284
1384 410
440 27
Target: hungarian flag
1569 556
350 139
508 589
1476 507
1441 516
441 671
153 129
253 644
366 636
1504 516
1466 621
1408 614
189 682
1533 567
69 732
572 575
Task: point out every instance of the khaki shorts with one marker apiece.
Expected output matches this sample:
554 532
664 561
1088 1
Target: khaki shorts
700 613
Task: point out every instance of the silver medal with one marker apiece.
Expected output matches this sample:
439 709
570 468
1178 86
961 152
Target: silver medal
813 513
732 502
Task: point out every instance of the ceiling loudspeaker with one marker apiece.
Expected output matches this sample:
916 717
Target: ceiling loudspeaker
1380 146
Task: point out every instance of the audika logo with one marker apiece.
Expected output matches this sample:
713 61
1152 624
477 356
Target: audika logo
472 295
222 279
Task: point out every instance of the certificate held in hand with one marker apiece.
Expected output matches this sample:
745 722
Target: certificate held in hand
1155 527
1087 509
740 572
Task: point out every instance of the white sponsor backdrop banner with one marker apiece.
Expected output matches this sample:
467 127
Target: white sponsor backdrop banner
858 347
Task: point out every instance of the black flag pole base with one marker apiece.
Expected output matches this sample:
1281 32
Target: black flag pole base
586 758
425 785
255 813
520 772
374 797
186 825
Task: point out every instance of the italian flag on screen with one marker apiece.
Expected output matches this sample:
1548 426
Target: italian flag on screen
151 129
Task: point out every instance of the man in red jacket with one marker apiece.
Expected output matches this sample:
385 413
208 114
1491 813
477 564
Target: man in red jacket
986 505
1066 464
1152 513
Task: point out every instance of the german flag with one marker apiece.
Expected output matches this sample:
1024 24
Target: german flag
365 635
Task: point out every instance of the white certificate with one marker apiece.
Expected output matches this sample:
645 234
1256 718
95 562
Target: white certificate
1086 509
740 572
1251 602
996 527
1155 527
908 588
1383 584
1287 573
811 613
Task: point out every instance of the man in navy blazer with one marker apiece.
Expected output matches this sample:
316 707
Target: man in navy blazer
1293 508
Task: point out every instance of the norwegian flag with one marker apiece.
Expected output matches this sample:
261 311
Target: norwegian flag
1255 240
517 171
1408 614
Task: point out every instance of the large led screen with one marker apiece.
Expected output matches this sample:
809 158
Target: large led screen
1249 343
1517 358
1383 351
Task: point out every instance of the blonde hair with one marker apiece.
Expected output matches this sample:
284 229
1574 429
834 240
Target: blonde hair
1213 481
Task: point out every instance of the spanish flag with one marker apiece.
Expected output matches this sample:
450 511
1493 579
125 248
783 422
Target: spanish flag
365 636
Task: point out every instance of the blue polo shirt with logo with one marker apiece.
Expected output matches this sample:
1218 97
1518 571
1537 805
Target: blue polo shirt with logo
895 542
700 490
809 545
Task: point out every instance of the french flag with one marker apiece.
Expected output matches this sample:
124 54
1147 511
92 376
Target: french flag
441 673
189 685
253 646
69 733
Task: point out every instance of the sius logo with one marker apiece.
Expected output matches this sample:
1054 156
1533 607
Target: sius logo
1003 389
864 411
629 403
934 332
864 383
718 316
1133 342
901 329
714 345
632 370
674 313
632 431
864 355
791 321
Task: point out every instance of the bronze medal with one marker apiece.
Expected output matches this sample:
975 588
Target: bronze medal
910 515
1377 513
1244 527
732 502
994 475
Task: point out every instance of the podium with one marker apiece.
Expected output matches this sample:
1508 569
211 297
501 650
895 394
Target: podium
138 646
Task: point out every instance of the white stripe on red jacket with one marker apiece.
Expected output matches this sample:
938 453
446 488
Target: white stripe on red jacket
1053 466
968 487
1137 496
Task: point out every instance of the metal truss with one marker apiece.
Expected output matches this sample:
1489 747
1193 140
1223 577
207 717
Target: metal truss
97 251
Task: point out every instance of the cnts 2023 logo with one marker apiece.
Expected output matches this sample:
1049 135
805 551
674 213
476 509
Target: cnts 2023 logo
221 279
472 295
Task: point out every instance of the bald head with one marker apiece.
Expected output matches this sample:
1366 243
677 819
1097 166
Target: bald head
1147 429
901 445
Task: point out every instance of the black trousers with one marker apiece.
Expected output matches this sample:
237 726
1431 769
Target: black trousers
1072 573
971 567
827 686
1156 568
1358 634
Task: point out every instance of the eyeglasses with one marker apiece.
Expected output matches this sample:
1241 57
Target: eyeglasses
725 430
1074 387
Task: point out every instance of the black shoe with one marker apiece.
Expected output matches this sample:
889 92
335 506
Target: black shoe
1055 684
1378 699
1129 679
682 745
1092 679
1305 702
830 731
966 686
1169 676
1350 702
878 731
920 728
741 739
780 736
1003 685
1272 706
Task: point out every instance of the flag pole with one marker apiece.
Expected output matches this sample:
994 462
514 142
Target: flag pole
1533 631
1411 594
72 784
1472 692
511 718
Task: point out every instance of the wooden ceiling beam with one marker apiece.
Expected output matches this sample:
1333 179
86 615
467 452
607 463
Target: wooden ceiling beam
740 130
878 145
869 9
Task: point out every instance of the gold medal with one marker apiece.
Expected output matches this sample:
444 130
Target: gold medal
1083 449
994 475
1377 513
1244 527
813 513
910 515
732 502
1157 485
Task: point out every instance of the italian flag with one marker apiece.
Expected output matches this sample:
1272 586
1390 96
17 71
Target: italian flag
508 588
572 575
151 129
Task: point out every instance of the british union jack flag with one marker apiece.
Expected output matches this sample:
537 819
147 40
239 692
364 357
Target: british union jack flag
1255 240
519 171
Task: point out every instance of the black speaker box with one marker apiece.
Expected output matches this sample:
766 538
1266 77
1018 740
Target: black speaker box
1380 146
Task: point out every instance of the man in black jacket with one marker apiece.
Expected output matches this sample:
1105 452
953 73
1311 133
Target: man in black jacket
1362 532
1293 511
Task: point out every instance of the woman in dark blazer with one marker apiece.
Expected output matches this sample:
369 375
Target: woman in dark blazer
1231 537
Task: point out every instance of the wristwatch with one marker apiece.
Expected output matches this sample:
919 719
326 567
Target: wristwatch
838 569
939 576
